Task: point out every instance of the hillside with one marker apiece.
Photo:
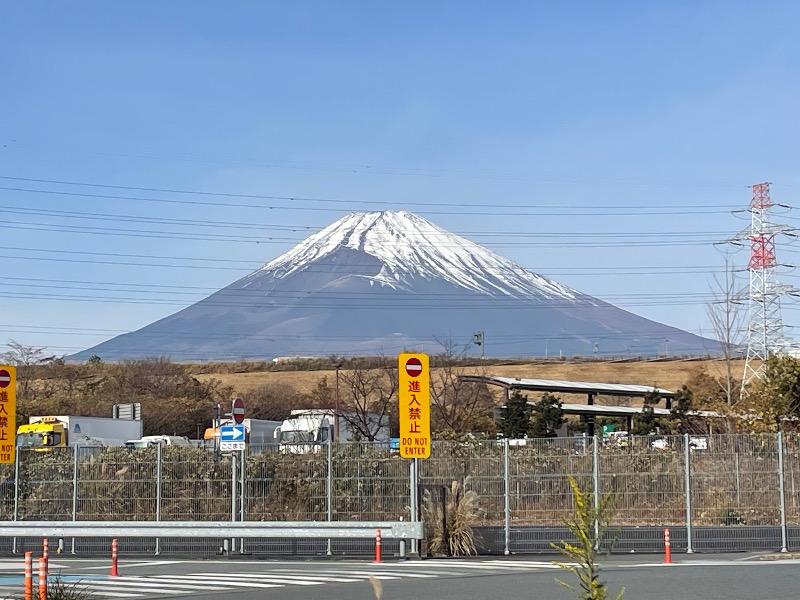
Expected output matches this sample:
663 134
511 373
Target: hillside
666 374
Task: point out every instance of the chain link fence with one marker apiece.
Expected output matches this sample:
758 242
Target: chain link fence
721 492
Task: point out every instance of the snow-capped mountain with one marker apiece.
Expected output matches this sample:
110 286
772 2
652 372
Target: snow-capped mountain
411 247
385 282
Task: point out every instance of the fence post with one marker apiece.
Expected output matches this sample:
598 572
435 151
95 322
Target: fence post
687 484
16 495
596 483
75 467
507 497
329 491
159 490
781 492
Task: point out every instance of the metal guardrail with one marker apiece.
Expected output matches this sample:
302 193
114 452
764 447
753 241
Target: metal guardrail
403 530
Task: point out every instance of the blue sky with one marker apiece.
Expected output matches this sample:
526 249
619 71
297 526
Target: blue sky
618 137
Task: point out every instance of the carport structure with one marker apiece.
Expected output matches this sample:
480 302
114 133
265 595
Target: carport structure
590 410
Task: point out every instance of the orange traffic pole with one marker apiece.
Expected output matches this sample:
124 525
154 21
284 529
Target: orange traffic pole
667 547
46 554
377 545
29 576
42 579
114 572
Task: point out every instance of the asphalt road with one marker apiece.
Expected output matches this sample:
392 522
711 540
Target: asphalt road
644 578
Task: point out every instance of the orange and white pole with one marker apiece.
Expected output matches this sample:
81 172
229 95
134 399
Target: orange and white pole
29 576
667 547
377 545
42 579
46 554
114 571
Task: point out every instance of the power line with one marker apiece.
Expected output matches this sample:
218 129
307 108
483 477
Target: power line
217 224
507 209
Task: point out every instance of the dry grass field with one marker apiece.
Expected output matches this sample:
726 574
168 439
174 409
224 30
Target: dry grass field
670 374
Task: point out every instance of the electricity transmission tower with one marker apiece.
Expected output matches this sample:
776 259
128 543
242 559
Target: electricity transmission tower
765 336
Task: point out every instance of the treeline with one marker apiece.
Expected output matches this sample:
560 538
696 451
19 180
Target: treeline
175 401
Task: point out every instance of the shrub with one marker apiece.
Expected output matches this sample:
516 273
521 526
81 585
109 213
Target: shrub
588 525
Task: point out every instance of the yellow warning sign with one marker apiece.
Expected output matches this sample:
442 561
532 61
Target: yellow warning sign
8 413
414 395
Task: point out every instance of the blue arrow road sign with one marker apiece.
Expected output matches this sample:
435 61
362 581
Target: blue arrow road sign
231 433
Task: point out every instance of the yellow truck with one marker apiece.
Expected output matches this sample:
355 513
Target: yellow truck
59 431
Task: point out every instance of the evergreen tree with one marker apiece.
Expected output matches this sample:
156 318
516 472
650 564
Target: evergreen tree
645 422
682 405
546 418
517 416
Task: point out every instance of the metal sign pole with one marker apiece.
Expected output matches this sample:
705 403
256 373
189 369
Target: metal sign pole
16 494
233 494
412 471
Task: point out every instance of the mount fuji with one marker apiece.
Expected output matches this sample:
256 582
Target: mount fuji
384 282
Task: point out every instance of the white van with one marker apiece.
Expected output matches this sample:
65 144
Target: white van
164 440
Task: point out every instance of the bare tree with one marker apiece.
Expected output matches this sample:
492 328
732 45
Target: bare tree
368 398
457 406
727 315
25 358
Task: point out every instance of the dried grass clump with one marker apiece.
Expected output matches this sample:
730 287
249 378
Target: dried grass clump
450 534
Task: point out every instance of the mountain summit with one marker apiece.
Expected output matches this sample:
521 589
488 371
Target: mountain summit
384 282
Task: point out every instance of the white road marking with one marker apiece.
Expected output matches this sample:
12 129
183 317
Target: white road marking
265 577
392 574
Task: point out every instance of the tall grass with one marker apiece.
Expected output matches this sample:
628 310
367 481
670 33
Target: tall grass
449 520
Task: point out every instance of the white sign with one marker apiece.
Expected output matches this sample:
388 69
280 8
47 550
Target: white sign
231 446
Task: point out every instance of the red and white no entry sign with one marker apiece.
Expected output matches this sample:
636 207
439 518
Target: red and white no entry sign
237 410
413 367
5 378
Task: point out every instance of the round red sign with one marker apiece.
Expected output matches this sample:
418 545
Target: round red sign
237 410
5 378
413 367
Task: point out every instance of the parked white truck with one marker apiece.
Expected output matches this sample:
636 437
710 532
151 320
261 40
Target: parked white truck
308 429
58 431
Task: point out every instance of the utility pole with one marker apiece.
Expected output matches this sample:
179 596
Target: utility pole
478 340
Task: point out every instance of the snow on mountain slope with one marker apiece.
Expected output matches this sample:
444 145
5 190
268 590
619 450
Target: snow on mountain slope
411 247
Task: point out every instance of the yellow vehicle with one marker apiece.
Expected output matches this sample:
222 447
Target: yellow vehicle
59 431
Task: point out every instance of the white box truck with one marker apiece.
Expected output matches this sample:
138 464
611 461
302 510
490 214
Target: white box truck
308 429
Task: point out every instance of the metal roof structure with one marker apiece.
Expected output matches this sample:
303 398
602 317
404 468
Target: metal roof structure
591 390
607 411
571 387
